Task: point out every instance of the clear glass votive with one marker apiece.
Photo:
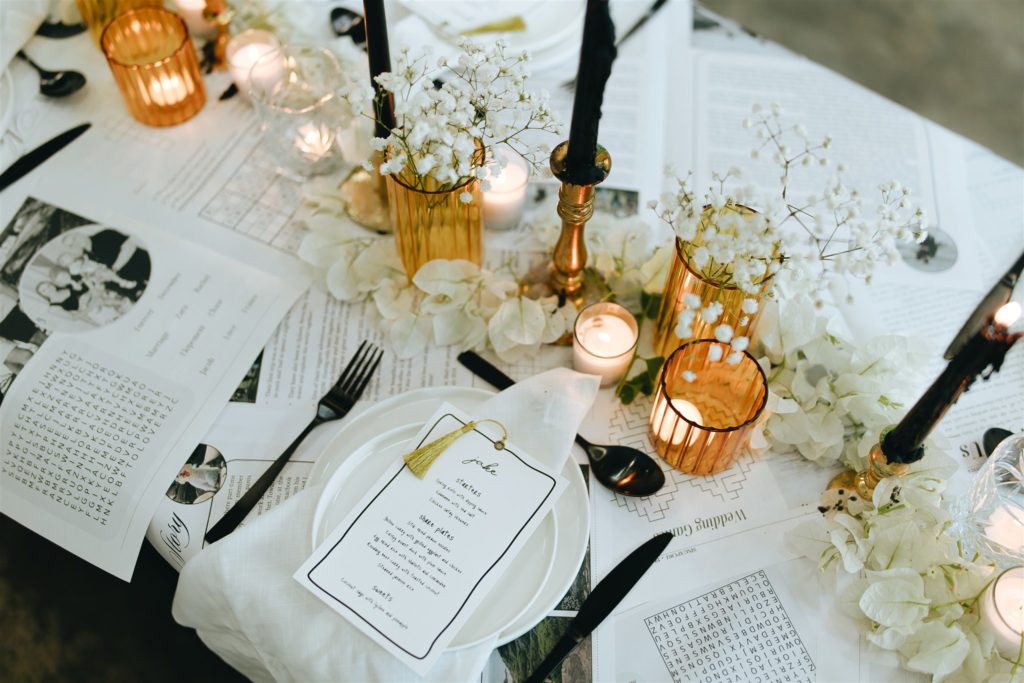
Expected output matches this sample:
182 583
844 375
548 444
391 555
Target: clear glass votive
603 342
154 64
701 422
295 90
991 516
506 198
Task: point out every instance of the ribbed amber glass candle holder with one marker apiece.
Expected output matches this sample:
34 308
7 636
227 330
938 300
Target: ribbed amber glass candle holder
710 285
701 424
154 65
435 225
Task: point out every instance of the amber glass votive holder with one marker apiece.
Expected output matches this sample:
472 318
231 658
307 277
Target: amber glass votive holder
701 422
154 64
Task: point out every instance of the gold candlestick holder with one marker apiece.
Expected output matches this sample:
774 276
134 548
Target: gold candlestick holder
565 275
865 482
220 16
365 196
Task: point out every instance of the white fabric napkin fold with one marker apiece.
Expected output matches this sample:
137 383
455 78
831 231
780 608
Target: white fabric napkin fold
240 597
19 20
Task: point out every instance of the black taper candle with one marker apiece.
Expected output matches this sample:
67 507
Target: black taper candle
987 348
596 56
380 62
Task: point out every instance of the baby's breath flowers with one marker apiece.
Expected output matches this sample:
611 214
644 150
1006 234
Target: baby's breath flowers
443 135
766 245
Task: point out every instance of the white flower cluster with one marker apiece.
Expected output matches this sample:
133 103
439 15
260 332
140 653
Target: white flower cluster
697 316
830 398
901 576
443 135
724 242
799 242
447 303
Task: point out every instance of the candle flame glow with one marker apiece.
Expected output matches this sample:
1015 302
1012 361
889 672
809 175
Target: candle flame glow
1008 314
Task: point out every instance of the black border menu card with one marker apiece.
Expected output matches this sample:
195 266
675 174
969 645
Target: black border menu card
413 559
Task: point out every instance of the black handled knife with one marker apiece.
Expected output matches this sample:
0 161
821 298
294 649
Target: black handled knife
28 162
996 297
603 599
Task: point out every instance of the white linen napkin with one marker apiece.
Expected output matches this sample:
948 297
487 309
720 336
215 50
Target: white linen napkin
19 20
240 597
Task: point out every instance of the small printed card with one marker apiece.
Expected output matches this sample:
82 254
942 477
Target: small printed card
415 557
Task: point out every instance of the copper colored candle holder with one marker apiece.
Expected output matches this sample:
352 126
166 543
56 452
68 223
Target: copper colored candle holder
565 275
702 424
154 64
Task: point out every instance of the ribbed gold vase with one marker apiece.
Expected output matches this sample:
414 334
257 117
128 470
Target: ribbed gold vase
432 225
684 279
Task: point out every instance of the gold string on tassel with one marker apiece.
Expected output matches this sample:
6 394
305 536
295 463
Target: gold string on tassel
420 460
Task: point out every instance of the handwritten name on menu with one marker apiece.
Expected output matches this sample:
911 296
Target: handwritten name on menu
412 560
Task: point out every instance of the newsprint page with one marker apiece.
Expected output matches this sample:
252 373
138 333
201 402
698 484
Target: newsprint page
120 343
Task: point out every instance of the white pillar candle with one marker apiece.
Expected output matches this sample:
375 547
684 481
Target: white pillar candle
245 50
1002 612
505 198
604 338
192 12
673 430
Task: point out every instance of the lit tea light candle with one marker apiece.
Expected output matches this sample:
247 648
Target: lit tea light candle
506 197
673 430
192 12
254 59
314 141
166 90
604 338
1002 612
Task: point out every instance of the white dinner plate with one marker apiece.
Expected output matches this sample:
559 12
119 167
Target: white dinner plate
571 513
520 585
547 23
6 100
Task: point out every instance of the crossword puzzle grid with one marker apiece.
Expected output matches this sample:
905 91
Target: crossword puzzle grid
257 201
629 427
739 632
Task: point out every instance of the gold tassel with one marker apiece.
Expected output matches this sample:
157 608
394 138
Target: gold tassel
420 460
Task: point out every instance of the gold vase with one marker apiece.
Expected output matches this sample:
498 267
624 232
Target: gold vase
432 225
709 285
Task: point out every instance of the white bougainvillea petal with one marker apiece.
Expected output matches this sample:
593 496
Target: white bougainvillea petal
520 320
938 649
409 336
341 281
896 602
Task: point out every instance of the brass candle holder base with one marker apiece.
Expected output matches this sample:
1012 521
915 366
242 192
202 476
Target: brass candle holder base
565 276
864 483
220 16
365 197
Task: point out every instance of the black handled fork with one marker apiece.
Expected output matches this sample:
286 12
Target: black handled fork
334 405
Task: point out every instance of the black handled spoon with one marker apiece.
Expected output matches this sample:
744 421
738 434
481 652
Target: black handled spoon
621 469
56 83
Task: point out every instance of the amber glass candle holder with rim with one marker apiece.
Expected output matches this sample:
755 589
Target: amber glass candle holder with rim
431 221
155 66
684 278
702 424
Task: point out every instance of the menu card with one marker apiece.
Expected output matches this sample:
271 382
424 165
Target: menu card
415 556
